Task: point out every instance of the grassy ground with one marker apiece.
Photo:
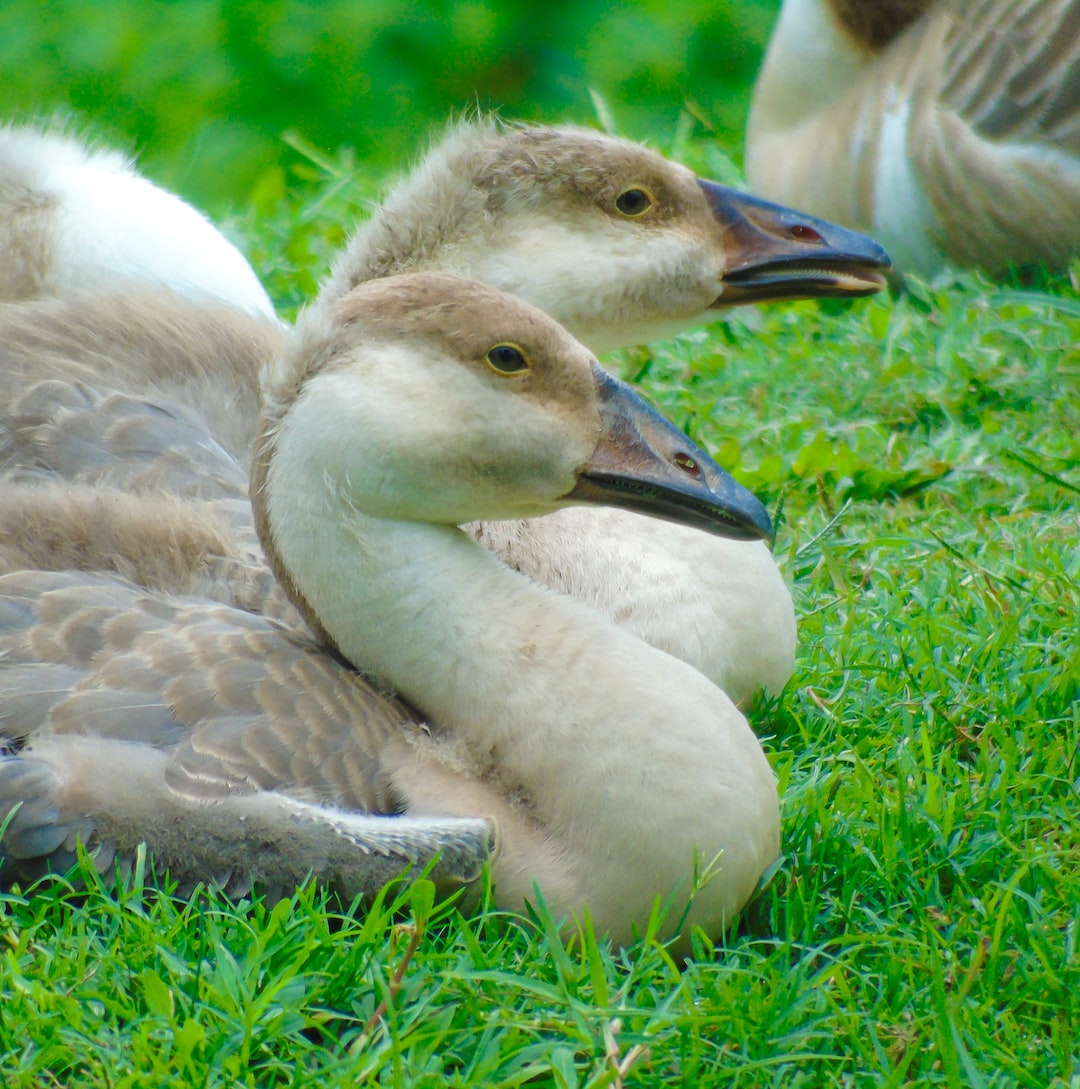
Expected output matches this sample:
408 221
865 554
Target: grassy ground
922 926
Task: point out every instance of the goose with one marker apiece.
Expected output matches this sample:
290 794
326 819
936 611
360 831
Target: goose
950 129
619 245
594 769
72 215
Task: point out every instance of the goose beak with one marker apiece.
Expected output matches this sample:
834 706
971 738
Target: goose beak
776 253
645 464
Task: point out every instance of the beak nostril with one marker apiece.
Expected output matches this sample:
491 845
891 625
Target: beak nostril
803 233
688 465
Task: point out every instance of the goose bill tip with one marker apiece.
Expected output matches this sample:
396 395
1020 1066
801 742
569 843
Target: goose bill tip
643 463
774 252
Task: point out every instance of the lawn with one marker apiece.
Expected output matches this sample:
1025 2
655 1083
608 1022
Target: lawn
921 452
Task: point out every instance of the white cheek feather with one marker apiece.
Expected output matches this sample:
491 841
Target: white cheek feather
548 264
123 223
335 422
350 425
584 273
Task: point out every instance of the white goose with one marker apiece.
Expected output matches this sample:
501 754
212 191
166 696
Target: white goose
71 215
621 246
606 770
948 128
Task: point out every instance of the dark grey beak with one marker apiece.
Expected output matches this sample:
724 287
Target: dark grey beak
776 253
645 464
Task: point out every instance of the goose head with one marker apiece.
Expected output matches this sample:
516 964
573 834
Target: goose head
431 398
617 243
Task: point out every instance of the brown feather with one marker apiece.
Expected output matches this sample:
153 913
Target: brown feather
988 94
145 341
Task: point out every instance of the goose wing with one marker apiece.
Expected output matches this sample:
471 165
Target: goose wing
1012 69
69 430
155 683
238 701
128 476
146 342
238 749
995 130
101 441
97 480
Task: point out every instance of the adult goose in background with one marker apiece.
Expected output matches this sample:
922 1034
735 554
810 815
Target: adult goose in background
604 770
605 235
73 216
949 129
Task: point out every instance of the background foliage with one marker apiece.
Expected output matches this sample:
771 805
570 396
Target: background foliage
204 90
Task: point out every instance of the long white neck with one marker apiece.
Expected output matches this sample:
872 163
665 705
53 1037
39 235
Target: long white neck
630 760
810 62
423 223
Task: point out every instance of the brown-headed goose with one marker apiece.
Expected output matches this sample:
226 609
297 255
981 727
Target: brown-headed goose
616 242
603 770
950 129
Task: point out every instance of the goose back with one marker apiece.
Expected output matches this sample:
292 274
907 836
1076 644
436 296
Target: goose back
73 216
951 130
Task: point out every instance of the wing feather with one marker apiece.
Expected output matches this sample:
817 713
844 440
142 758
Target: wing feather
1012 69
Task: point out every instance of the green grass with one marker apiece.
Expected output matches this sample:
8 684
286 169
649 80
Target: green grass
922 926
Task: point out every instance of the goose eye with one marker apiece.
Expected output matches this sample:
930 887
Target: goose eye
507 359
634 202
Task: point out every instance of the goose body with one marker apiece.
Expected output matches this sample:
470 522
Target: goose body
602 769
535 211
72 217
949 129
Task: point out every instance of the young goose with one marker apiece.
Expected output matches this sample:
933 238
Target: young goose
604 770
948 128
621 245
72 217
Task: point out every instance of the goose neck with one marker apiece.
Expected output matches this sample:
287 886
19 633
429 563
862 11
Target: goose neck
810 62
628 762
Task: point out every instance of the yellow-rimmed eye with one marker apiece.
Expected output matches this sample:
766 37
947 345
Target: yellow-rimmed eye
635 202
507 360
